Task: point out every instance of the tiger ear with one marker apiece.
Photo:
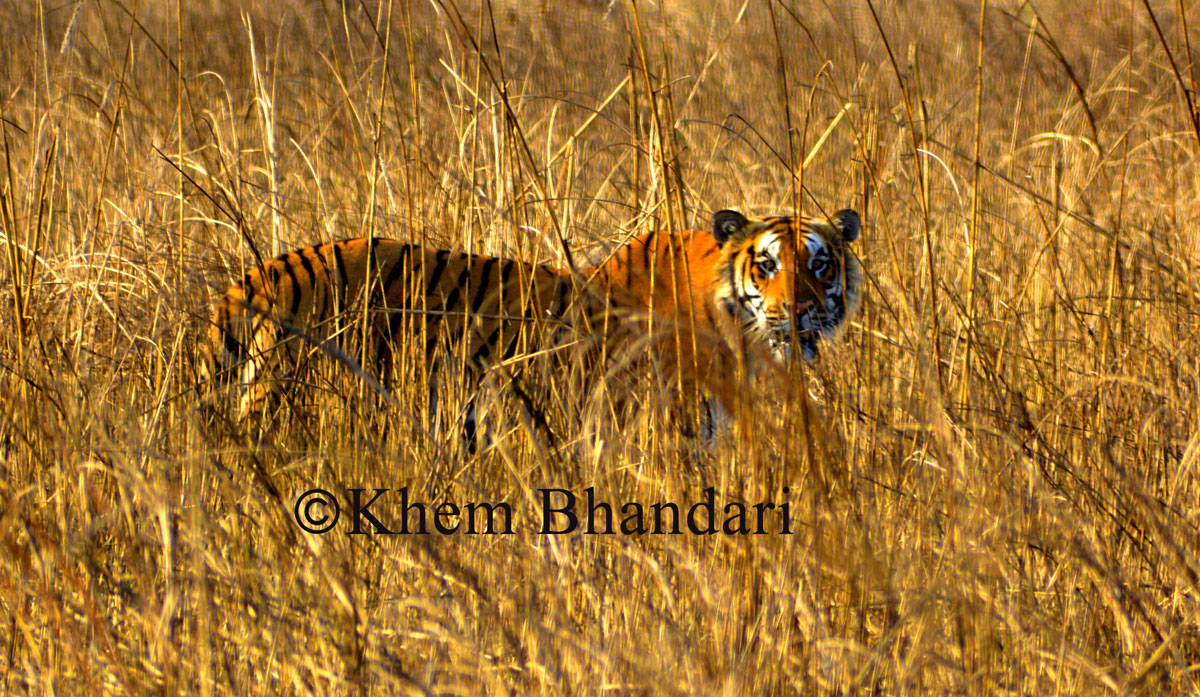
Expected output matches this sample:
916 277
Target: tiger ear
726 224
848 223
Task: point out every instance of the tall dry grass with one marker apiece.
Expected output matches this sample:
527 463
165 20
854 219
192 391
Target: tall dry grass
1001 497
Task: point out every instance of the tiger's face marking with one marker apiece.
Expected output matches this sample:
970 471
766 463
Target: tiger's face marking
786 277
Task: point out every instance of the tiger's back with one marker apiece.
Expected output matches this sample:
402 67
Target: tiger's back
369 301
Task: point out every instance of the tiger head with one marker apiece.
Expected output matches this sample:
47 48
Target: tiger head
786 276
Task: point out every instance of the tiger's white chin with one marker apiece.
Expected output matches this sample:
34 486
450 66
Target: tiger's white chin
808 329
781 346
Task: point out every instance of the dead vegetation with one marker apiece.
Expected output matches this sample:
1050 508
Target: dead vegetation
1000 493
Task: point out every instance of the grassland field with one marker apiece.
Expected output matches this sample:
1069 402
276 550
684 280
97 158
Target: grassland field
991 474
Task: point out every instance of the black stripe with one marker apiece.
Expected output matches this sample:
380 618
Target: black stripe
452 299
372 271
397 312
308 269
316 252
291 273
443 256
388 340
485 278
729 271
646 249
343 280
447 306
397 269
247 289
371 244
312 279
560 303
506 272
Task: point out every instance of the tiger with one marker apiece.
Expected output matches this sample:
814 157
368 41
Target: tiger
755 285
